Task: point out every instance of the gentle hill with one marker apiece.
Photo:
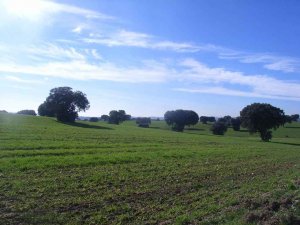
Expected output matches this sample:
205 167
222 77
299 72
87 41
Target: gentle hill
97 173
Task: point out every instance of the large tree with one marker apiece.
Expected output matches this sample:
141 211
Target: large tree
64 103
261 117
180 118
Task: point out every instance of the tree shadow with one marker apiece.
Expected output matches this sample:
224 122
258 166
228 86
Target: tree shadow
293 127
285 143
84 125
199 129
243 131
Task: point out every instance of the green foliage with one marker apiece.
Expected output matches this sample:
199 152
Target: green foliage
117 117
104 117
143 121
180 118
219 127
64 103
94 119
259 117
30 112
236 123
205 119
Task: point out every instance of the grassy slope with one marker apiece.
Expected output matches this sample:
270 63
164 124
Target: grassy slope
98 173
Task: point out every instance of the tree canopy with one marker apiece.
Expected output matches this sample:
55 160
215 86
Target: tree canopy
64 103
27 112
143 121
180 118
117 117
205 119
261 117
219 127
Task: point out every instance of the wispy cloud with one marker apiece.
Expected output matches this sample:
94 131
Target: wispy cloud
79 66
20 80
135 39
260 85
82 70
268 60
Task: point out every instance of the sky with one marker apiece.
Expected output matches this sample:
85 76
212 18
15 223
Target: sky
147 57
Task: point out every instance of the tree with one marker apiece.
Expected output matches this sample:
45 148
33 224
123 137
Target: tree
180 118
45 110
143 121
219 128
261 117
205 119
65 104
117 117
27 112
295 117
94 119
104 117
3 111
192 118
236 123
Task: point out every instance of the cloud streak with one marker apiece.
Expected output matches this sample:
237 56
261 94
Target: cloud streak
134 39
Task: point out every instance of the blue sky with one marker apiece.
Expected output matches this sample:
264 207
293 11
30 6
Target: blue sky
147 57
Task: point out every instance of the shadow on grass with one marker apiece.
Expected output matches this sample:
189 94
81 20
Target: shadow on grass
155 127
84 125
285 143
293 127
200 129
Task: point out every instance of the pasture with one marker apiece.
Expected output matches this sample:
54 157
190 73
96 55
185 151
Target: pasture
97 173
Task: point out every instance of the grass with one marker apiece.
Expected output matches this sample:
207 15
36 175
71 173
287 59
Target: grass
97 173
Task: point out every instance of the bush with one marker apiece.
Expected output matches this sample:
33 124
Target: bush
94 119
219 128
27 112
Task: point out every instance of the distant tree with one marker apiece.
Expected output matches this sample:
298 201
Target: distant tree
288 119
94 119
117 117
3 111
219 128
180 118
261 117
192 118
46 110
65 104
236 123
143 121
205 119
27 112
295 117
104 117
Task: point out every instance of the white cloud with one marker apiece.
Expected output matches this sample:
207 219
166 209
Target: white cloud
269 61
225 91
20 80
135 39
260 85
82 70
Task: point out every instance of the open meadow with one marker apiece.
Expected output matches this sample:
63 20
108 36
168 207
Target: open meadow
98 173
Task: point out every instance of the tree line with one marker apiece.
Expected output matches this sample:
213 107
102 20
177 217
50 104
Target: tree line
65 104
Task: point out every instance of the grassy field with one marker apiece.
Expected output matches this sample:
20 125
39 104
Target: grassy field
96 173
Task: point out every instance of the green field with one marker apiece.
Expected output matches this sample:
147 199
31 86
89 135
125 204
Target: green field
97 173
